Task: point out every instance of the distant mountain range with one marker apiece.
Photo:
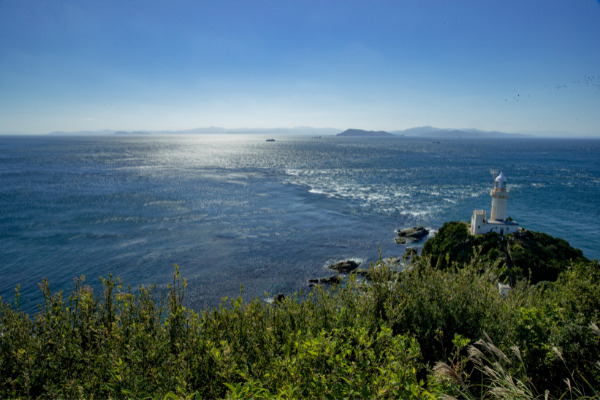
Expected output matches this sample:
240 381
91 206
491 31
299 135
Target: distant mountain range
430 131
423 131
300 130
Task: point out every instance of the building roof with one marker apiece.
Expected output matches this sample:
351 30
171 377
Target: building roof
501 178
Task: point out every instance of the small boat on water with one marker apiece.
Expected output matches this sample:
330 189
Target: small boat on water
270 140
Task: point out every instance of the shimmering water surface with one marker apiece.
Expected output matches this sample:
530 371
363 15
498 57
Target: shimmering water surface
235 210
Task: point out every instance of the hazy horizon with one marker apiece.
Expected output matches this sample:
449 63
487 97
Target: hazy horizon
514 67
308 130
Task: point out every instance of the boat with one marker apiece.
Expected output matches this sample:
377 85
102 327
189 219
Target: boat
270 140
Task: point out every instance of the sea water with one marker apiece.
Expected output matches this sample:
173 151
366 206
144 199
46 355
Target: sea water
235 210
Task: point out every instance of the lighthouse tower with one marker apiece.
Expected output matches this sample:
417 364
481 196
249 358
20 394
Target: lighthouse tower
499 197
480 225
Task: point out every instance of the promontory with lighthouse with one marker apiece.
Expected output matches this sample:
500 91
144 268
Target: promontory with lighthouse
500 240
494 239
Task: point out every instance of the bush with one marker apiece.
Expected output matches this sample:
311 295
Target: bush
380 338
142 344
521 255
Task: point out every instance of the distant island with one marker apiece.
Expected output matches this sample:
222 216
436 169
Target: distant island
360 132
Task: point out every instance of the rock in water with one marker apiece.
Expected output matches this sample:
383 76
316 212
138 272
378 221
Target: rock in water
411 234
344 267
334 279
279 298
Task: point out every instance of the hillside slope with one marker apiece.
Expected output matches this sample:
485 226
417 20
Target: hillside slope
524 254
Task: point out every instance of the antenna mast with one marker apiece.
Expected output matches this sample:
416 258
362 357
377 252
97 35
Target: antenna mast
494 172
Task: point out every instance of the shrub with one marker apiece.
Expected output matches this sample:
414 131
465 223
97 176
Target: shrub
380 338
521 255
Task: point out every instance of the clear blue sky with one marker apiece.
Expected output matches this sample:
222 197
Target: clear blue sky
510 65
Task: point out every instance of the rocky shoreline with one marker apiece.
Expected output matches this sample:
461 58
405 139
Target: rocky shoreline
351 266
342 267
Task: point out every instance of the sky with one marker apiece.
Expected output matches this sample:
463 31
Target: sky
512 65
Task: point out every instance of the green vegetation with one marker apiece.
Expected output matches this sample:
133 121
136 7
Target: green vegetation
525 254
425 333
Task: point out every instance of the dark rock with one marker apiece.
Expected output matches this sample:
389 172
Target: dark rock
333 279
279 298
410 252
411 234
416 232
344 266
361 272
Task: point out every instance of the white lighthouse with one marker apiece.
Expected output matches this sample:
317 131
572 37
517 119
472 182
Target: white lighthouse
499 197
497 222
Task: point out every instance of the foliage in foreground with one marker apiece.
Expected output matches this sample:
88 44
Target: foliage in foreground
402 335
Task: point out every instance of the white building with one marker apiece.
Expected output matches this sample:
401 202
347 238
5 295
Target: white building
497 222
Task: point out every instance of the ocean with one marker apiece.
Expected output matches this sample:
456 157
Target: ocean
236 210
